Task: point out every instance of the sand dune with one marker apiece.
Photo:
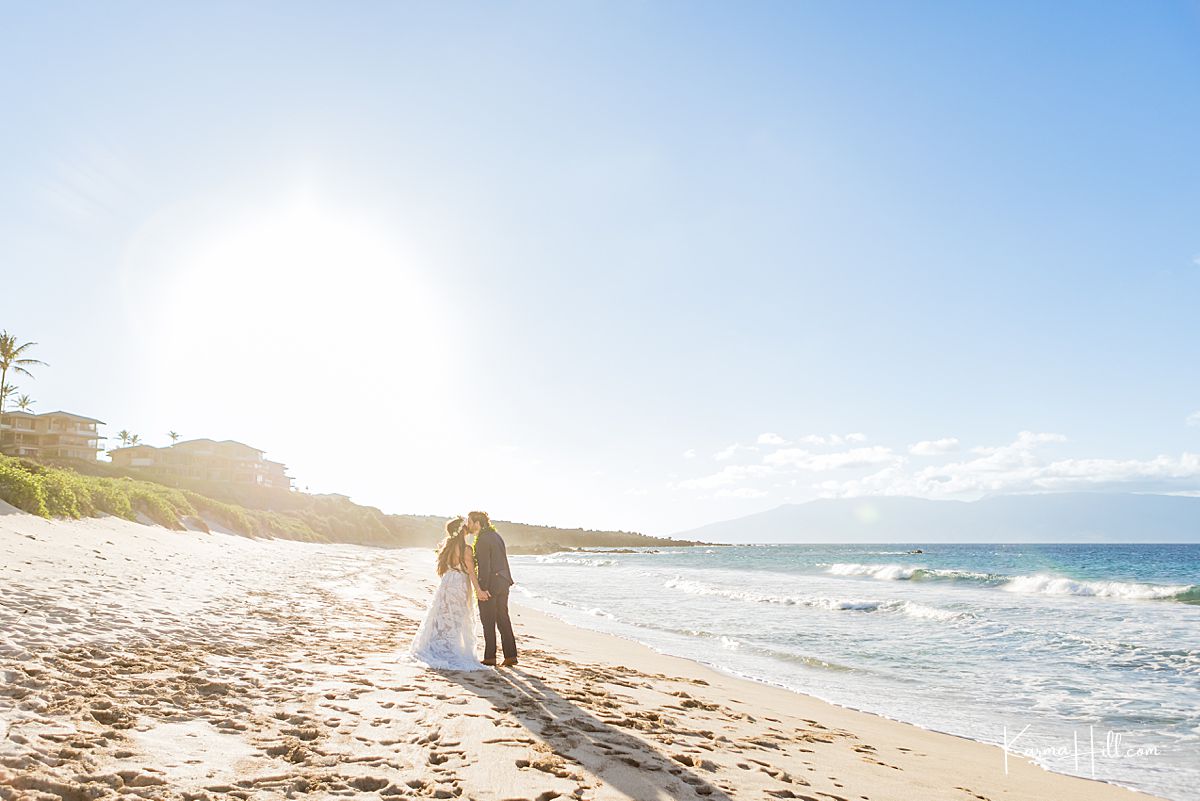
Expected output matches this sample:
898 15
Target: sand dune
183 665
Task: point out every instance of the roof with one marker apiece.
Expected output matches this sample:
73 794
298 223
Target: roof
194 442
206 441
241 444
136 447
71 415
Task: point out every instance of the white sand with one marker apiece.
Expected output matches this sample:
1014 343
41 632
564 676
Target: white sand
184 665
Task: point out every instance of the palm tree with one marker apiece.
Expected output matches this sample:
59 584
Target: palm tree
12 358
5 393
174 435
123 435
134 439
24 402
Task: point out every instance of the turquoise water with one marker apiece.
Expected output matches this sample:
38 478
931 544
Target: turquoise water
1092 650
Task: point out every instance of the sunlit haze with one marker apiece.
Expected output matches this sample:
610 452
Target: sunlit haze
618 265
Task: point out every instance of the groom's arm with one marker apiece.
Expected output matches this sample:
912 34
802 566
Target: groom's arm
483 558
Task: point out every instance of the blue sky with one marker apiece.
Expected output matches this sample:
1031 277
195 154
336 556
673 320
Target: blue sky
553 259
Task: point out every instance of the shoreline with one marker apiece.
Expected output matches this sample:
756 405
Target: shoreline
190 666
1096 687
716 676
735 676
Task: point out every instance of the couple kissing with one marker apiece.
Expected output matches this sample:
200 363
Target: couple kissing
446 637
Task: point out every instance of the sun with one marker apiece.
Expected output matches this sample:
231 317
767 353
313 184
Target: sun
300 292
298 274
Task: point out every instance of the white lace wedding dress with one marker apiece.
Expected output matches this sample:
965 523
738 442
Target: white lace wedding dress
446 638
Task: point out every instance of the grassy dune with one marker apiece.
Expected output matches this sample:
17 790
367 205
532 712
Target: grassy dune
58 490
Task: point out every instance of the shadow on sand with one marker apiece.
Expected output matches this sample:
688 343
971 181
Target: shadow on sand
626 763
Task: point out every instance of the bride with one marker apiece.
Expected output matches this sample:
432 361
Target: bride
446 638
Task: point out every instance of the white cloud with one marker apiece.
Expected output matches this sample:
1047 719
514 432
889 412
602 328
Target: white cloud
1026 464
1020 466
771 439
932 447
800 459
725 454
738 480
741 492
730 475
690 453
833 440
1025 442
887 481
1193 419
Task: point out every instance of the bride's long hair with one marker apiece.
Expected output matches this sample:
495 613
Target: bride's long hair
454 546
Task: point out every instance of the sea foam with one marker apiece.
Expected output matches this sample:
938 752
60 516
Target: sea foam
1057 585
1039 583
892 572
562 559
908 608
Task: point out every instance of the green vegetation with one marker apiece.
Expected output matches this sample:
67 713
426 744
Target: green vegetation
52 492
61 492
82 489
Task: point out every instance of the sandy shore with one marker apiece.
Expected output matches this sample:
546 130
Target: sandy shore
139 661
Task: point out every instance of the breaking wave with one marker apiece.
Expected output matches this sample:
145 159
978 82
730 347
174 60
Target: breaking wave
1039 583
1057 585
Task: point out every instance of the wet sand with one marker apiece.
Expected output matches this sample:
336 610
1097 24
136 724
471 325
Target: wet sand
137 661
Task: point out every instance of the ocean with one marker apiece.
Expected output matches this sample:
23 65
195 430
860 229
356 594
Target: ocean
1083 657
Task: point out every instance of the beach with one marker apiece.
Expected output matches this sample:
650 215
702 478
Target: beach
1074 646
138 661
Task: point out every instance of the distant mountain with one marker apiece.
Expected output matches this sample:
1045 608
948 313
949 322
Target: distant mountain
1057 517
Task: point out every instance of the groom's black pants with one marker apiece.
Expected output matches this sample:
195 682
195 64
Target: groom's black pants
494 614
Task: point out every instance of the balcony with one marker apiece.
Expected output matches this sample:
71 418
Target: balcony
83 431
19 438
77 440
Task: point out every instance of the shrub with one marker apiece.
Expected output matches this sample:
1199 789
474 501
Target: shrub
233 517
107 498
161 504
62 491
280 525
21 488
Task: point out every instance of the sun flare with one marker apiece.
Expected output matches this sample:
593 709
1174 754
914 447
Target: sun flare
286 299
292 276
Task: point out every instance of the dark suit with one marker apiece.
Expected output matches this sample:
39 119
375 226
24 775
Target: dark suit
491 560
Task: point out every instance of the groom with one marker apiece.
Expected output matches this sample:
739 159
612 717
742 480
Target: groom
495 578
